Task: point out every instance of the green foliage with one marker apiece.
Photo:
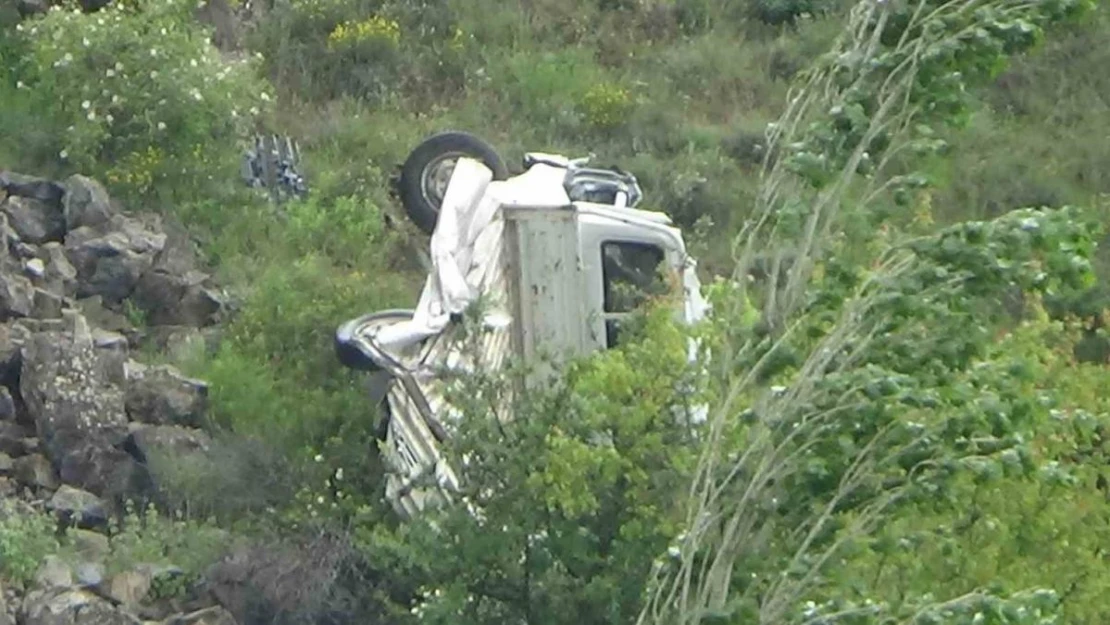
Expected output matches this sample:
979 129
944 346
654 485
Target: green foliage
567 506
178 550
26 538
137 97
981 438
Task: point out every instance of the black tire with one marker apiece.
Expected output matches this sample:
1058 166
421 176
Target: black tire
421 202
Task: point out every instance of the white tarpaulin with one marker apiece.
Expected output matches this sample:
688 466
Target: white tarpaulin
467 243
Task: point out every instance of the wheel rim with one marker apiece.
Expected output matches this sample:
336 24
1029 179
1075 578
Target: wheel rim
436 176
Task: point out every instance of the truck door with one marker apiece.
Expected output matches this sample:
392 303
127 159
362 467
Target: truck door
624 265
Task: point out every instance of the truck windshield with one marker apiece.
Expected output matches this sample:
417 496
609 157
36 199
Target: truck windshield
630 272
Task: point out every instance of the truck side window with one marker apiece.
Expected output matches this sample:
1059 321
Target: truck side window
630 273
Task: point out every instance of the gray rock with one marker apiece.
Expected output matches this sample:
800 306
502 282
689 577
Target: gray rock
40 189
163 396
61 275
106 266
102 317
6 463
168 440
178 299
14 439
86 203
16 296
6 616
11 345
53 573
89 545
97 463
114 354
128 588
89 573
35 470
78 412
7 405
71 607
178 342
47 305
214 615
82 508
35 221
22 250
35 268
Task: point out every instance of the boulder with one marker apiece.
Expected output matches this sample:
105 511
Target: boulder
53 573
128 588
88 545
78 412
35 221
86 203
36 471
73 506
16 439
18 185
7 616
149 441
47 304
60 274
162 395
178 299
71 606
214 615
8 411
107 266
16 296
89 574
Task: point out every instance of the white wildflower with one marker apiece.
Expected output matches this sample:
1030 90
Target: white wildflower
197 96
115 99
19 28
161 125
319 458
109 72
108 118
85 41
320 499
86 104
19 85
265 97
254 110
163 31
339 474
153 74
68 57
192 62
91 116
64 154
119 66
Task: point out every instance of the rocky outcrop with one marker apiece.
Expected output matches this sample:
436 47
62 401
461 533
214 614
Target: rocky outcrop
76 411
81 421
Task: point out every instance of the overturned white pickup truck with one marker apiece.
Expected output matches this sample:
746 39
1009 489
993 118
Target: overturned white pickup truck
557 255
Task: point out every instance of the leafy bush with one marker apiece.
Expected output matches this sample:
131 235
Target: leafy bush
139 97
26 538
606 106
573 500
143 536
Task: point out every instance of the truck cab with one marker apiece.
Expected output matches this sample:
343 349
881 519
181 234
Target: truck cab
549 278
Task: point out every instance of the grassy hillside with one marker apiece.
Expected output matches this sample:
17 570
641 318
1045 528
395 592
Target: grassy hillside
677 91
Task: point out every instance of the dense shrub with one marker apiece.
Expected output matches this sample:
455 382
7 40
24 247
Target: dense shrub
137 97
